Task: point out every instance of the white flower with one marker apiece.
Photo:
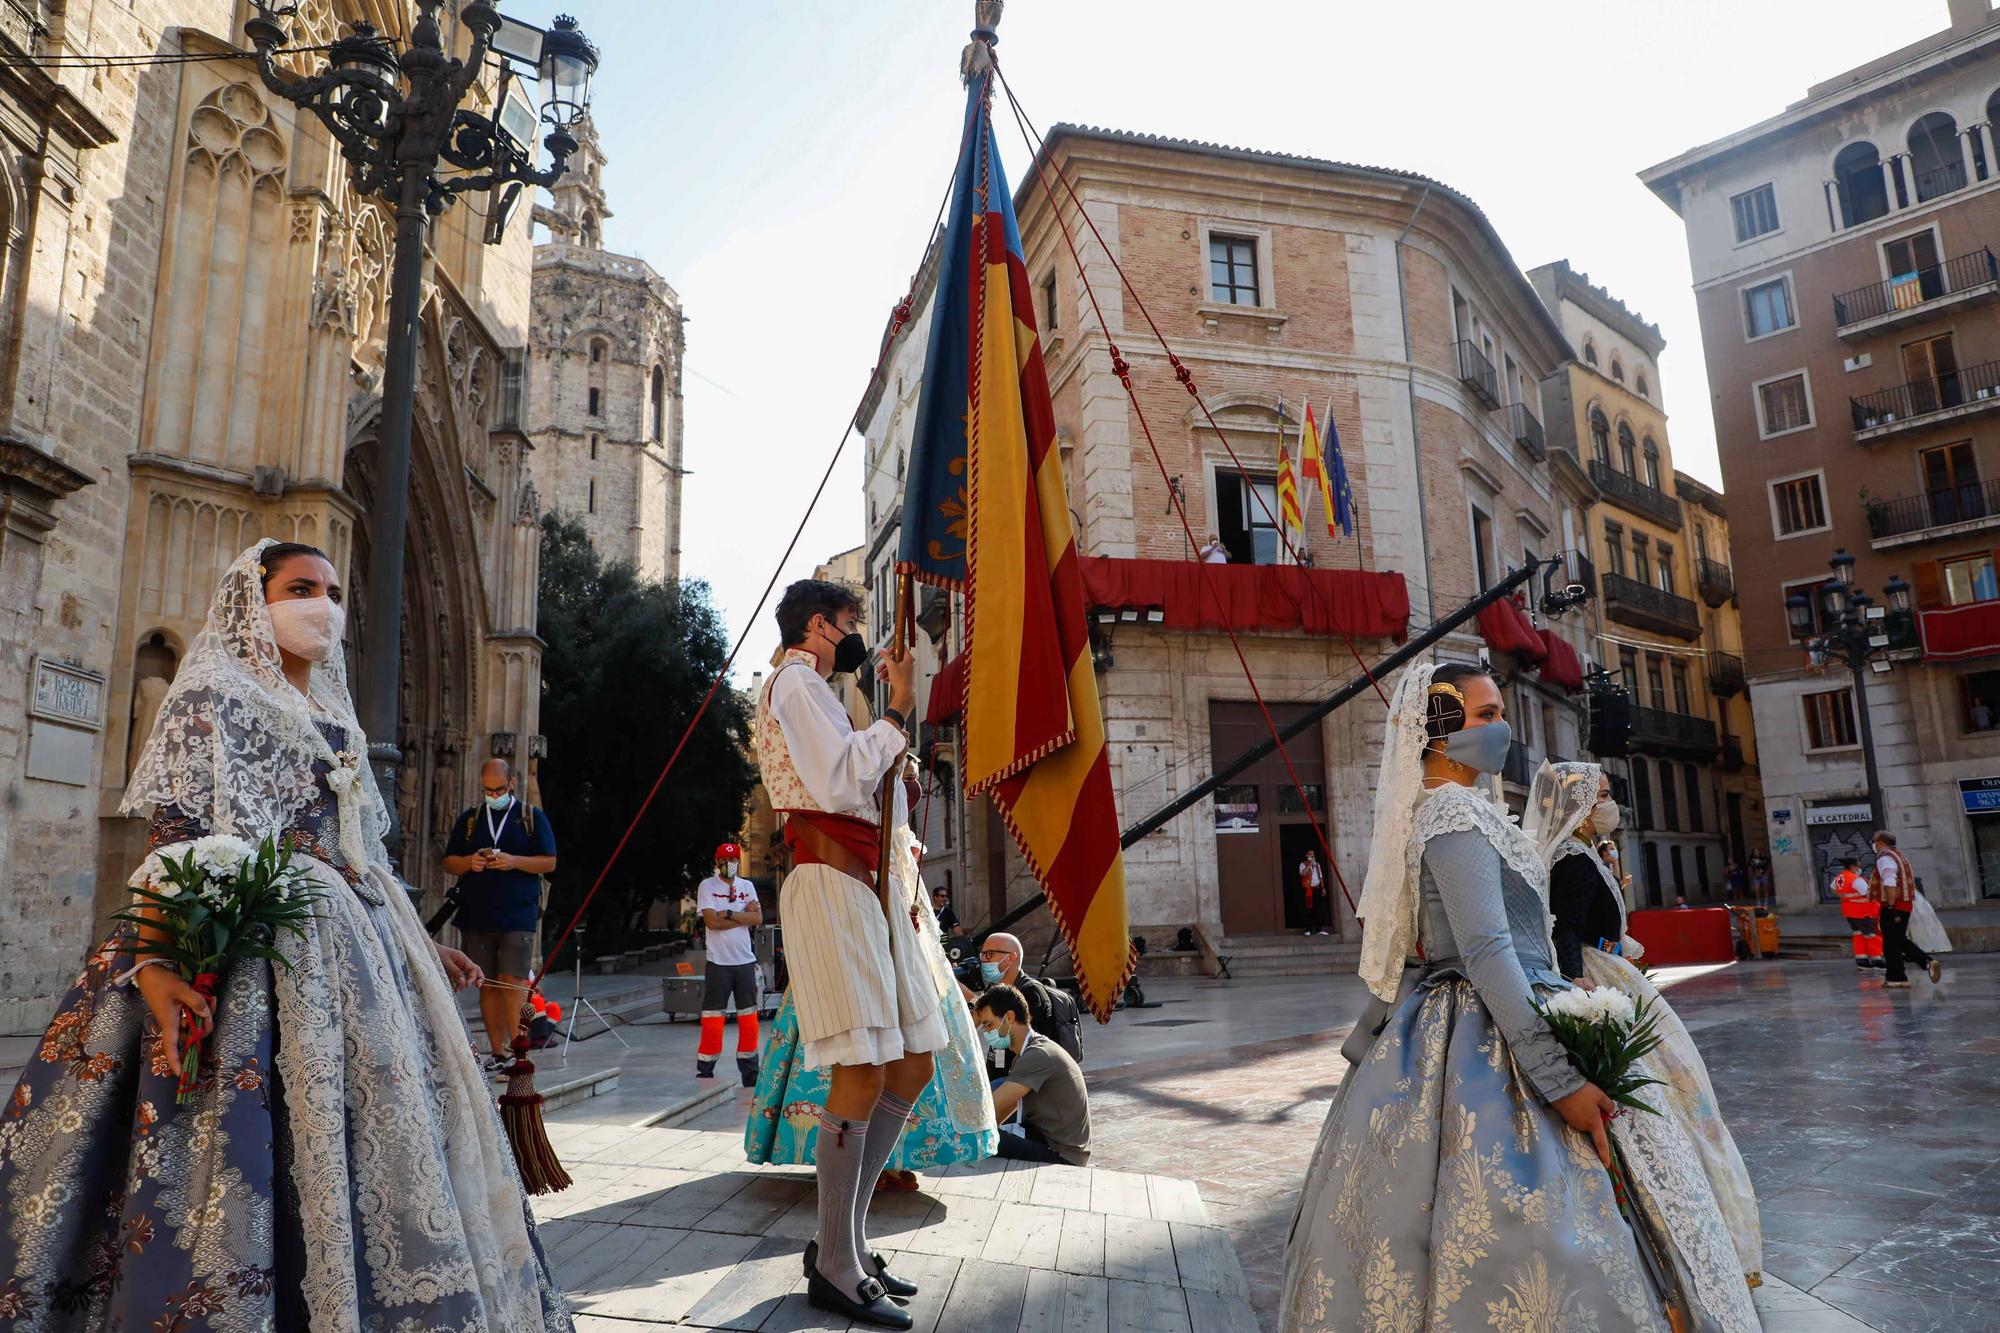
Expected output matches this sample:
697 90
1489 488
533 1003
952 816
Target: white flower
220 855
1592 1006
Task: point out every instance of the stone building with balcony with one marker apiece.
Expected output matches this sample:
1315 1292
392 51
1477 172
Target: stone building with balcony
604 378
1843 258
1663 622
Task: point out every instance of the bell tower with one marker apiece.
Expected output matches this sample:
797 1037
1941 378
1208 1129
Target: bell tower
578 212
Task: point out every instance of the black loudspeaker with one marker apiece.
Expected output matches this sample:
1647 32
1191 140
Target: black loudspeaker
1610 721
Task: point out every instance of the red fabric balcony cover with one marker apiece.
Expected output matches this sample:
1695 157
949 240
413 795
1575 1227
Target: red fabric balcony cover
1356 603
1953 633
947 693
1563 666
1506 629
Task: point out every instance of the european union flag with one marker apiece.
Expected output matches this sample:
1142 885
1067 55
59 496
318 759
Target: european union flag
1343 494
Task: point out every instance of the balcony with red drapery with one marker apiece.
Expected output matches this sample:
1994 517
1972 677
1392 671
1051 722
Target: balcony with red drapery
1355 603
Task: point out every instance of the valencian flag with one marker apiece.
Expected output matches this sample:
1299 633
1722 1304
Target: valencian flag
1341 510
985 513
1288 482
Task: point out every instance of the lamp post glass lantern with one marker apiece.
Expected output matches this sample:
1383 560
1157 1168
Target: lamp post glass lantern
408 142
1849 634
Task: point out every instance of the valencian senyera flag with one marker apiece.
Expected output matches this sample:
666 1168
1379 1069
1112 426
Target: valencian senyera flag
1288 481
1315 465
985 513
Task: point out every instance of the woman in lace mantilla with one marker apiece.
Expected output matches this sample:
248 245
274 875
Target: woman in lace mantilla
1569 806
342 1167
1460 1180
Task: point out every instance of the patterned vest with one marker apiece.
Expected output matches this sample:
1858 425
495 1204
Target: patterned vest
774 758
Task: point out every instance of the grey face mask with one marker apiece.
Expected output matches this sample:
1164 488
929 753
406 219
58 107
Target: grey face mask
1483 748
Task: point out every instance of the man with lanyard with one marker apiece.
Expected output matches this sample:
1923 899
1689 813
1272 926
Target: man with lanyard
1850 886
500 849
866 992
729 909
1896 890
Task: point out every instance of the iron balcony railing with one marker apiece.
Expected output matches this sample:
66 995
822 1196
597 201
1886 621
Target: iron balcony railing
1661 729
1527 431
1907 291
1643 606
1714 580
1936 509
1632 494
1922 398
1940 180
1478 374
1725 675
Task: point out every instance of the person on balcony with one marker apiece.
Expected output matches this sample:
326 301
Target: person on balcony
1213 552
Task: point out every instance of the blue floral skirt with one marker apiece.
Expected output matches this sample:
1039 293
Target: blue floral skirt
952 1122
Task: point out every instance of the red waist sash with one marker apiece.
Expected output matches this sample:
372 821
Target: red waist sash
847 843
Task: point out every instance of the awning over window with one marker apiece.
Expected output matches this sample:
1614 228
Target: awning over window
1953 633
1357 603
1562 667
947 693
1506 629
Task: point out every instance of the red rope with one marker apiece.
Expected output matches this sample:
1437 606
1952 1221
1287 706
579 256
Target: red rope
1123 370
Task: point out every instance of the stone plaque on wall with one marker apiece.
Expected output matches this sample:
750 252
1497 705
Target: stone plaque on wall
67 694
64 708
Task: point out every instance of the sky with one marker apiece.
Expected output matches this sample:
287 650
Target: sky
780 165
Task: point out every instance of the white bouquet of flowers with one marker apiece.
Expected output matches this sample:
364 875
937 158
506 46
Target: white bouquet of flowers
219 901
1606 1035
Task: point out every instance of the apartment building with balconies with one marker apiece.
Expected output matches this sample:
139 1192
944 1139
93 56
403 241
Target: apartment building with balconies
1663 623
1843 254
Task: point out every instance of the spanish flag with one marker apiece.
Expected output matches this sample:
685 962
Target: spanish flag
1315 466
985 513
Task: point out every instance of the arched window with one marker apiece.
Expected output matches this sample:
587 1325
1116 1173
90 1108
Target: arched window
596 350
1645 390
659 403
1935 155
1857 179
1628 448
1600 436
1590 351
1653 464
588 228
1617 370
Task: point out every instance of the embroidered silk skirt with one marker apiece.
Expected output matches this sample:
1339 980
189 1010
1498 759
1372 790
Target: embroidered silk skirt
342 1168
951 1123
1444 1194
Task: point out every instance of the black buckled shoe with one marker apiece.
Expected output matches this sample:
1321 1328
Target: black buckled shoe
873 1307
899 1289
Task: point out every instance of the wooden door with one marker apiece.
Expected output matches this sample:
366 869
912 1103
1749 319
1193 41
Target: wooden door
1253 813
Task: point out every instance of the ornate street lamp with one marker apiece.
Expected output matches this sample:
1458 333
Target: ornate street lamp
397 119
1853 630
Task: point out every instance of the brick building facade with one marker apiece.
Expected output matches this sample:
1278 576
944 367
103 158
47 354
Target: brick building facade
1845 282
192 305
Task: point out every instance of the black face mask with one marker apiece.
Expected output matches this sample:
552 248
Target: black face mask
849 653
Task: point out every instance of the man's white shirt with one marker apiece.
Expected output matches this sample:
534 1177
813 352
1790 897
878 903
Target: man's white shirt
841 768
731 944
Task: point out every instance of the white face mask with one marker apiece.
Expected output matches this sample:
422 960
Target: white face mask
1604 816
308 627
729 870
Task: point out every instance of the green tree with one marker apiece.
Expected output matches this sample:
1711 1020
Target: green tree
626 664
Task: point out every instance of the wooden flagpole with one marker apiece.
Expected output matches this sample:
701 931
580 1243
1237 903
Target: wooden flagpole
886 837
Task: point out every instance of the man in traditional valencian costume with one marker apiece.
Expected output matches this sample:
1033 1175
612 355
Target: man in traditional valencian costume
867 996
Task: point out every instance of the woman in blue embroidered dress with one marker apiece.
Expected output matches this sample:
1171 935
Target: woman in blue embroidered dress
1461 1178
342 1167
